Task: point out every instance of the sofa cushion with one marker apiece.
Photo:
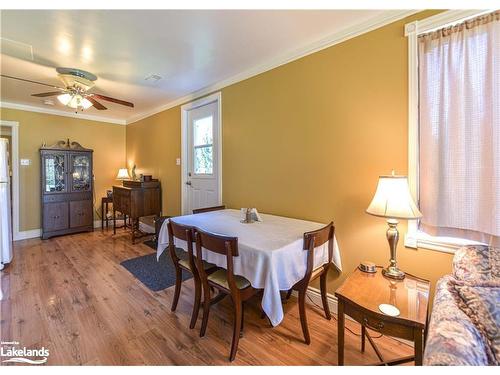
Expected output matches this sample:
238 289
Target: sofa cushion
452 339
477 264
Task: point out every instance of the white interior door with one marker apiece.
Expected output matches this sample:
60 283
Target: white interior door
202 179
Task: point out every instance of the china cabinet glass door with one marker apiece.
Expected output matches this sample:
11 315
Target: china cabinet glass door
55 173
81 176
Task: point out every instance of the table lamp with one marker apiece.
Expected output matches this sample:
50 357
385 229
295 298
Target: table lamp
123 174
393 200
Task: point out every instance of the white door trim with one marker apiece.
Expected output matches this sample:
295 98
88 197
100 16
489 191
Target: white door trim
217 97
14 125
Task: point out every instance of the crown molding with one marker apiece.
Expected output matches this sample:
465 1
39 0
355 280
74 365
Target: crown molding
385 18
442 20
82 116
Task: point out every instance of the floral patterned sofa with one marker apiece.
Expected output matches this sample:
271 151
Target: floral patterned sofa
465 323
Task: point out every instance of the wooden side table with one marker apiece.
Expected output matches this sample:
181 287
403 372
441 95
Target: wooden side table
360 296
105 201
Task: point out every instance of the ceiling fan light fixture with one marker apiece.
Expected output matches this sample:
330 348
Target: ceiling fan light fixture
74 94
64 99
74 101
85 103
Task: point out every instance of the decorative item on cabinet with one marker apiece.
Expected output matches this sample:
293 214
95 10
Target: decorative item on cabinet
134 175
67 189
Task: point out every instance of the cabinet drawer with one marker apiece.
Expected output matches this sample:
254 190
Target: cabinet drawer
55 216
58 197
83 196
81 214
375 323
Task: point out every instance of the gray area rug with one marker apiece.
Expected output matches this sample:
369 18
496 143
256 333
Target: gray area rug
156 275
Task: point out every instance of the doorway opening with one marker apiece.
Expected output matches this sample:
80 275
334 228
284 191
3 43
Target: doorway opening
10 131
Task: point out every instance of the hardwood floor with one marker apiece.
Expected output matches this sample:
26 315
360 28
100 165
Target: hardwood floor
71 295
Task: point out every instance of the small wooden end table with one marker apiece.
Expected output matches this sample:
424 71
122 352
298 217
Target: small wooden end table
360 296
105 201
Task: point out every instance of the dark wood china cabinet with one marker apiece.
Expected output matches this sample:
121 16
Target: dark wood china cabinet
67 189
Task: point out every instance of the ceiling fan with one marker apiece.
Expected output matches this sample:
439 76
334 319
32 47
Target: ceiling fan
75 93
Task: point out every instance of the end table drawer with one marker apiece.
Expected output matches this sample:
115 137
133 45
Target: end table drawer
375 323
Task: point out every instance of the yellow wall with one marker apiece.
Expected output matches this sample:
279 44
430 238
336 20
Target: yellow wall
153 145
107 140
309 140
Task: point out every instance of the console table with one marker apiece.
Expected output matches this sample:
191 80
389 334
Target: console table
136 199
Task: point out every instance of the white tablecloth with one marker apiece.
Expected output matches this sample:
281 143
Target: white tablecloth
271 256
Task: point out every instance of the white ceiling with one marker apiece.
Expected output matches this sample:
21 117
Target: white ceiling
189 49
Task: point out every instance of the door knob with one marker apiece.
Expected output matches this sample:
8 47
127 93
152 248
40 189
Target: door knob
188 183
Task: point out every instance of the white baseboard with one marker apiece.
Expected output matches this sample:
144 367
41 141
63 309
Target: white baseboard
315 295
34 233
27 234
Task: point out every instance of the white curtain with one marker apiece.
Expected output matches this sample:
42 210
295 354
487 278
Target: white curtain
459 83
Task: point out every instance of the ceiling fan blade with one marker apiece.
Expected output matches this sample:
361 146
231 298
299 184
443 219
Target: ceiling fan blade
95 103
118 101
44 94
30 81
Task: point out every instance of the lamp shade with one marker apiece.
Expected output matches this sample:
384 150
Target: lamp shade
123 174
393 199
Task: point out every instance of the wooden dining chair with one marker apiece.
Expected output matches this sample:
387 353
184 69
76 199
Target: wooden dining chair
311 241
225 281
208 209
186 233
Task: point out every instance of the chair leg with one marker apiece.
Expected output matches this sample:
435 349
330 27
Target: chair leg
238 313
178 284
324 299
242 318
206 309
303 318
197 300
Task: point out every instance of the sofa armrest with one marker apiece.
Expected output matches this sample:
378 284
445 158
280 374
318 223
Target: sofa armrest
452 337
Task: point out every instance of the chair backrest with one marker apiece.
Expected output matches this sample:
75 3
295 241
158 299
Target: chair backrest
219 244
182 232
208 209
317 238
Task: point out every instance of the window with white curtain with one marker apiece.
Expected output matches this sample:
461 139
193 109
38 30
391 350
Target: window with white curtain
459 130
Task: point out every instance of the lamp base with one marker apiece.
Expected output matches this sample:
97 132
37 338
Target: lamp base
393 273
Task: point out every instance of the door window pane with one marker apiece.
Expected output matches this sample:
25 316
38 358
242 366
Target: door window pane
203 160
203 134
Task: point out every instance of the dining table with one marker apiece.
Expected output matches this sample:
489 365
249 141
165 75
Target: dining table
271 253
